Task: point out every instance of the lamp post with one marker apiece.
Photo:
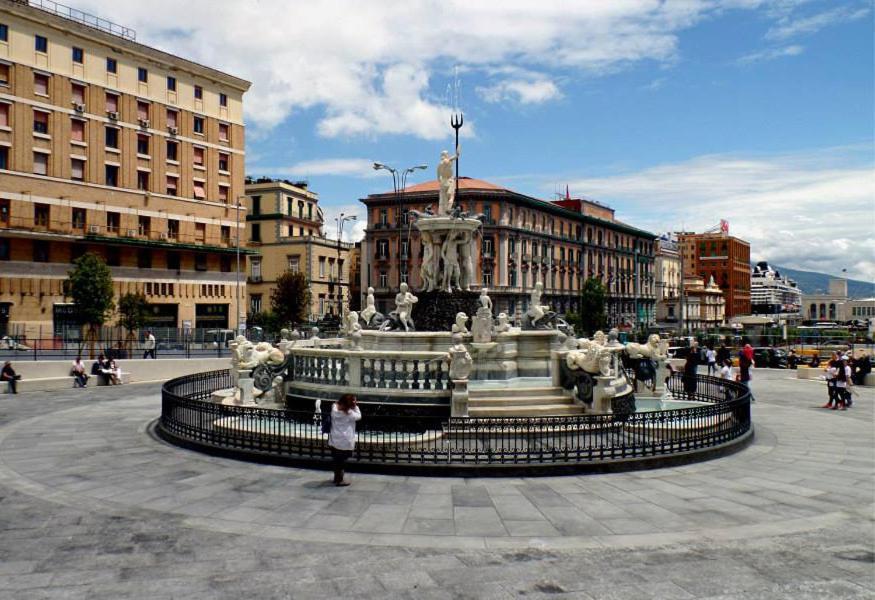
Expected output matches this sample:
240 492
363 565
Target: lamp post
399 184
237 250
341 220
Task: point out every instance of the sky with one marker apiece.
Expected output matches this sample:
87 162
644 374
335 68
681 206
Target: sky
677 114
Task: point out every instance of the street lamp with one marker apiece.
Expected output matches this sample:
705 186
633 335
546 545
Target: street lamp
399 184
341 221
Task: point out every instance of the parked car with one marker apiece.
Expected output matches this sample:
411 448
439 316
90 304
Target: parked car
219 337
770 358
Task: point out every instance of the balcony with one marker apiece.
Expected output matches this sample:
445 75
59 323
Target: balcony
254 279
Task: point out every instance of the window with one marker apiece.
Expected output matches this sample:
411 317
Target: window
113 222
40 43
487 246
321 266
199 191
4 74
198 92
41 215
77 170
384 279
223 194
4 157
111 175
294 264
382 248
224 162
404 247
4 32
198 156
256 232
113 256
4 211
79 218
172 150
78 55
142 144
225 233
199 125
144 259
487 279
40 122
200 232
40 251
111 137
142 74
173 229
256 205
340 270
143 180
300 210
40 163
223 99
224 132
255 303
77 93
4 114
171 186
142 111
111 103
171 84
384 216
40 84
111 65
173 261
255 268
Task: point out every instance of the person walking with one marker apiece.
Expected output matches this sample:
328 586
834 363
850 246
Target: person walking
842 379
80 377
149 345
745 366
726 371
723 354
344 414
711 358
9 375
691 369
830 376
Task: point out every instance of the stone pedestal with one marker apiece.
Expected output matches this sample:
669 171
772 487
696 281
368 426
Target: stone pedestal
602 394
459 398
246 386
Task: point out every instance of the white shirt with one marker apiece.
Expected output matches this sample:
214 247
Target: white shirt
726 373
834 371
711 356
342 434
150 342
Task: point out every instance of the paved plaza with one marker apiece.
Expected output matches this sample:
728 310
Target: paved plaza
91 506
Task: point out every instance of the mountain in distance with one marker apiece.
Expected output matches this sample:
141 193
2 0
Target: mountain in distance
811 282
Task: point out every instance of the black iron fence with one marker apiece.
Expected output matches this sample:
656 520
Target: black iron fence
391 442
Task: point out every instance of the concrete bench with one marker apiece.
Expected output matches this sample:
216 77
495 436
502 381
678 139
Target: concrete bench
104 379
869 380
41 384
809 372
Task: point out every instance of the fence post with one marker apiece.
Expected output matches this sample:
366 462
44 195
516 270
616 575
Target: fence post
355 370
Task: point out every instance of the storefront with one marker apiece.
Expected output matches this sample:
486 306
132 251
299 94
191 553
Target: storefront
211 316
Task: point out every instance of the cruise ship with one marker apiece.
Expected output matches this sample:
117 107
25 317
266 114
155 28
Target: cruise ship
772 294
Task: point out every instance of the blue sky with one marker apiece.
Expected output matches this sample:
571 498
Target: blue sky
675 113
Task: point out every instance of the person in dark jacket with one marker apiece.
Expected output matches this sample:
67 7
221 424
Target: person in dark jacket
9 375
691 369
745 365
862 367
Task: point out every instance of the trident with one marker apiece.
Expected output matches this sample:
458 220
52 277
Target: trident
456 122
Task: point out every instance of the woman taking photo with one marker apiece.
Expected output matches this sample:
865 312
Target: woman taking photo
341 440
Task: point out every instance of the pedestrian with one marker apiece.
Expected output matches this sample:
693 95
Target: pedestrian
792 360
711 358
344 414
99 368
9 375
842 378
115 373
745 366
691 369
149 345
723 354
862 367
726 371
80 377
830 376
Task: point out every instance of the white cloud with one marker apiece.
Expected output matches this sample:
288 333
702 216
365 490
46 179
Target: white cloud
370 68
808 210
353 231
338 167
788 26
534 90
770 54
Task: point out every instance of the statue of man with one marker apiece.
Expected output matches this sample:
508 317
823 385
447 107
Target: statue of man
426 271
404 302
450 254
447 181
466 264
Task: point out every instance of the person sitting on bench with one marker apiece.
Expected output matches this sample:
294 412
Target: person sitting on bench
8 375
80 377
100 368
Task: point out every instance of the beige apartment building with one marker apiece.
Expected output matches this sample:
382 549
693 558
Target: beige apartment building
286 227
112 147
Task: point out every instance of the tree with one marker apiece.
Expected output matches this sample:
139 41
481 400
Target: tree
133 311
592 306
89 285
290 299
264 319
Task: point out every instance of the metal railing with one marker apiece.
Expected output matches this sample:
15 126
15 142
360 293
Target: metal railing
84 18
386 441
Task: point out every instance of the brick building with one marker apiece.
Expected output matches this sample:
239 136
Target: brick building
113 147
726 259
524 240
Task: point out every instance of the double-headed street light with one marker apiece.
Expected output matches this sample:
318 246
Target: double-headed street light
399 184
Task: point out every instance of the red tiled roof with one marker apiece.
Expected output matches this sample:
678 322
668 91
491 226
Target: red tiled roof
465 183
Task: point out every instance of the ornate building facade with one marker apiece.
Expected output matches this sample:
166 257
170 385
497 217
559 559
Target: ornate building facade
523 240
726 259
112 147
285 225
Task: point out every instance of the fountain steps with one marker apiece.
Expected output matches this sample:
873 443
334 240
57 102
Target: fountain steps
523 402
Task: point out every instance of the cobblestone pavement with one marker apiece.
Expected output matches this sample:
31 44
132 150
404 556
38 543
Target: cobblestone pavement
92 507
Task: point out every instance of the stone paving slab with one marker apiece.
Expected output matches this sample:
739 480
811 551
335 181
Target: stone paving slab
92 507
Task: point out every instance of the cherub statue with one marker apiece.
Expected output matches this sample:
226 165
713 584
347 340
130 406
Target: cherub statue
460 359
485 300
404 301
460 325
370 310
503 325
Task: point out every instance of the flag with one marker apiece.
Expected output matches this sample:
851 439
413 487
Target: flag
724 226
